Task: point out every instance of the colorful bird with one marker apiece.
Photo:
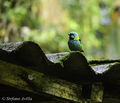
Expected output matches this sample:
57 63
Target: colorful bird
74 42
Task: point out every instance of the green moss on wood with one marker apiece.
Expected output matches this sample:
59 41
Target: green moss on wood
38 83
112 75
76 68
97 62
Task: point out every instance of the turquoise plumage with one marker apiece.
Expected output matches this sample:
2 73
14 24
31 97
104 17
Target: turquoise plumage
74 42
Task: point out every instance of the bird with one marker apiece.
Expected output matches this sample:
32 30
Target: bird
74 42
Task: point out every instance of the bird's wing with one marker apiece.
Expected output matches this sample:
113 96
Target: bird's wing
80 40
80 46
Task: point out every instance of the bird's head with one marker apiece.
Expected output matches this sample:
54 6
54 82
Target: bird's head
73 36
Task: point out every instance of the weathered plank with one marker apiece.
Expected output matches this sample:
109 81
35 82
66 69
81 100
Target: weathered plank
76 68
101 68
73 66
36 82
53 57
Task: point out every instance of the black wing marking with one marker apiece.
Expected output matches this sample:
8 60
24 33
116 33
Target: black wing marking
80 40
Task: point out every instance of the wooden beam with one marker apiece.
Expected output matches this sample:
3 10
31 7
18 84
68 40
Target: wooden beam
36 82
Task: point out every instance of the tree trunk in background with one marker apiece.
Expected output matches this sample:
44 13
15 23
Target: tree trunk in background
52 12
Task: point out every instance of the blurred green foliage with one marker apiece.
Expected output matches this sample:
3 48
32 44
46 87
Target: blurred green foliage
47 22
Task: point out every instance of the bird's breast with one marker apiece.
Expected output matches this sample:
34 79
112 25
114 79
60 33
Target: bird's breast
74 44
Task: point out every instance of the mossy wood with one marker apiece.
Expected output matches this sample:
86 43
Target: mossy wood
36 82
108 72
72 67
39 72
